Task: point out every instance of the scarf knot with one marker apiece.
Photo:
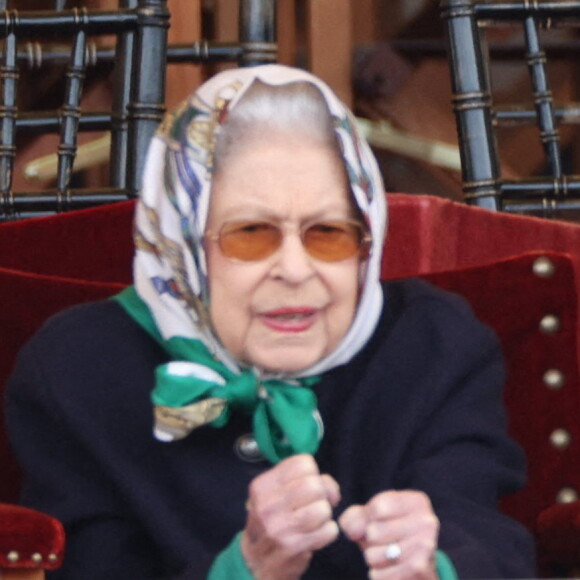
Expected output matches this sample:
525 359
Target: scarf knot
188 395
244 391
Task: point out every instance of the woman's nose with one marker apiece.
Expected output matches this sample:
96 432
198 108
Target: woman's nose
293 263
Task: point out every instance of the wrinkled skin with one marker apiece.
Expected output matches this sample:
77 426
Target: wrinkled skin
290 517
405 517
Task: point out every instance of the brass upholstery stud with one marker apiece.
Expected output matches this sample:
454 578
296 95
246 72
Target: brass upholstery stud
13 556
560 438
554 379
550 324
52 558
543 267
567 495
36 557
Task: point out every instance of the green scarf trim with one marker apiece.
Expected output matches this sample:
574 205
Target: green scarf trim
230 564
196 389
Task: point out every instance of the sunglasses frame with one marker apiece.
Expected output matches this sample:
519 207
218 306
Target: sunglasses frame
363 248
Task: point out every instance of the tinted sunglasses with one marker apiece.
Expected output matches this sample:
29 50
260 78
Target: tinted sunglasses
329 241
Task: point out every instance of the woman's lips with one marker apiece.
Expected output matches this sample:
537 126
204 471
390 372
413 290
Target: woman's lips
290 319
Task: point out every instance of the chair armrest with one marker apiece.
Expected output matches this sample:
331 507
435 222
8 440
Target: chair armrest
29 539
558 533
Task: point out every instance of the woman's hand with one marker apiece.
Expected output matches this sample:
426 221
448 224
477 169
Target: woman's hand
289 517
397 532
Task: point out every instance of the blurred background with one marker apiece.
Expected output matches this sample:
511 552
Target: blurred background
386 58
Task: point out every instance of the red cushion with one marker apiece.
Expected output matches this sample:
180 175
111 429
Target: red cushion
29 539
432 234
94 244
46 265
27 301
559 533
509 297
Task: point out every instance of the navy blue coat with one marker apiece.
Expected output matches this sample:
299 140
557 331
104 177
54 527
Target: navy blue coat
419 407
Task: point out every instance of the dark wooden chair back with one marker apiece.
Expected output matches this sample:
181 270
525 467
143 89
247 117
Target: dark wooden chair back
129 44
555 193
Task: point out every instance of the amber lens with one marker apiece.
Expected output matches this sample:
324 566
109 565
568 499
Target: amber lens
328 241
249 240
333 241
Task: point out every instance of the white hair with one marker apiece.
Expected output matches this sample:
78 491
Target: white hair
294 110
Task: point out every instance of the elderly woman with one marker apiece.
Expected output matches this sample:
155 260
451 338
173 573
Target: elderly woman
308 421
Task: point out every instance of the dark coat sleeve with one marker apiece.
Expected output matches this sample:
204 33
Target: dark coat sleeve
427 413
72 435
61 479
466 461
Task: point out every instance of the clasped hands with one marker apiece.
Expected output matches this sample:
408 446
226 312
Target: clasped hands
290 517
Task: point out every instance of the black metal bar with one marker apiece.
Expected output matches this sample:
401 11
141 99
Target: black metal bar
9 78
138 60
146 108
517 115
547 208
123 74
515 11
70 113
472 106
436 47
47 202
536 59
205 51
543 196
257 32
35 55
50 121
65 22
539 187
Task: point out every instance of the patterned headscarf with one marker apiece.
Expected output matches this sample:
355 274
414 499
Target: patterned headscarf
171 293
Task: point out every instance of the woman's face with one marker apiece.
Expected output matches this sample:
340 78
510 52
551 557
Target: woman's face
288 310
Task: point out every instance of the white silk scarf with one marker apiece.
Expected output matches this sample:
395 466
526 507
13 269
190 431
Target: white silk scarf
170 271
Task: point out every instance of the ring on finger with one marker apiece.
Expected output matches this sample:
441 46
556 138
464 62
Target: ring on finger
393 552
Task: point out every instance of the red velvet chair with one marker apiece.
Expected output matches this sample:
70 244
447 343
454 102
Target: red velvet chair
30 543
520 275
46 265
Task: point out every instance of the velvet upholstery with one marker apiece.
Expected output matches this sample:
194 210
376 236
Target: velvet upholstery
498 261
511 298
29 539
